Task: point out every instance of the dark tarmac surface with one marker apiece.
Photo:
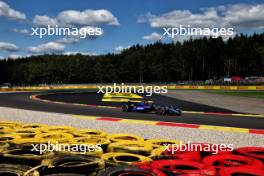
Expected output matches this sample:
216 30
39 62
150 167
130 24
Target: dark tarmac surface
22 101
92 98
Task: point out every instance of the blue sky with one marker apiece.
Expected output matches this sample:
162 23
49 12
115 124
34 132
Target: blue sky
125 22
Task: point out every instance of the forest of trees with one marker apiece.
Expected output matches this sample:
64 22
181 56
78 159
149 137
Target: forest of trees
199 59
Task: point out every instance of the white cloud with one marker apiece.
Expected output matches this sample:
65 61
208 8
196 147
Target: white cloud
176 18
68 40
7 11
21 31
47 48
44 20
153 37
8 47
244 16
73 17
88 17
239 16
1 57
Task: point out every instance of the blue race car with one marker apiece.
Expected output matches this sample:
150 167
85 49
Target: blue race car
149 106
146 106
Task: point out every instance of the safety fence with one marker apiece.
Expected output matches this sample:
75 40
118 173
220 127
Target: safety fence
24 151
170 87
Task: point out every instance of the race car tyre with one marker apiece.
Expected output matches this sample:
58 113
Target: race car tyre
179 113
125 108
70 163
161 111
255 152
131 171
140 148
180 167
222 161
124 137
22 156
112 159
16 170
232 171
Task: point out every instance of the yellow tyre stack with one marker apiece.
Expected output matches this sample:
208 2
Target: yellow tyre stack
124 137
83 150
135 147
112 159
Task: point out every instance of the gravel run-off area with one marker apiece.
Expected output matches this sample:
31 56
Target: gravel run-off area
147 131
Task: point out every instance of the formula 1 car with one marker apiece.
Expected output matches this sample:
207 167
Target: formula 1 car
149 106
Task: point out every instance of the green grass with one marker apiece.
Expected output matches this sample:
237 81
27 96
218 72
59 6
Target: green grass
252 94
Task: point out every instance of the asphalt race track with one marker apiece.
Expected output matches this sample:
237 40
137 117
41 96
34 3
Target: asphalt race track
22 100
95 99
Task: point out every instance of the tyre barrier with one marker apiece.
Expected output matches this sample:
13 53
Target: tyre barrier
21 156
16 170
9 138
255 152
91 133
132 171
233 171
54 137
39 127
124 137
183 167
171 153
104 142
94 152
27 133
231 160
73 163
4 129
59 129
134 147
160 143
112 159
10 124
4 147
207 149
64 174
